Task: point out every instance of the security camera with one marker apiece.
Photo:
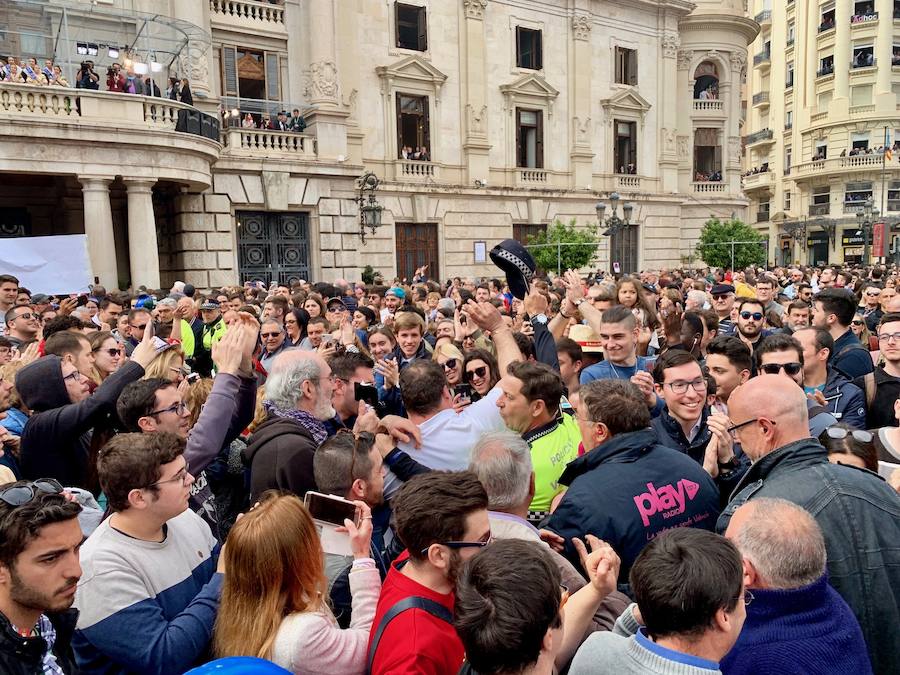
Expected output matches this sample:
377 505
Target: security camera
480 183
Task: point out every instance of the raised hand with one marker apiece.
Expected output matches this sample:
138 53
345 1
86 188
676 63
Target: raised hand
145 352
601 564
484 315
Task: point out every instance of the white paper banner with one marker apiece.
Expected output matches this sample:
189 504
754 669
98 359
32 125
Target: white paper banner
52 265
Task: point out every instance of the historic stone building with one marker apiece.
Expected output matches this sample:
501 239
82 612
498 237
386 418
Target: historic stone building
527 111
823 94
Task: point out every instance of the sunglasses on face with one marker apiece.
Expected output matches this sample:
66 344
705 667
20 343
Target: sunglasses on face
462 544
266 336
791 369
22 494
27 315
857 322
112 351
450 364
476 372
756 316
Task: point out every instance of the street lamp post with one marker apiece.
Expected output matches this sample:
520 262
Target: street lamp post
866 219
613 224
369 209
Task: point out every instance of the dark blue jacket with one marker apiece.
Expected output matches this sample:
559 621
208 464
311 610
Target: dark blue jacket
798 631
628 490
850 357
860 518
845 400
670 434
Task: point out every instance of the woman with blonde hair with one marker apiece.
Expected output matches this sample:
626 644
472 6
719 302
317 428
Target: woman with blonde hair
169 366
450 359
108 354
273 597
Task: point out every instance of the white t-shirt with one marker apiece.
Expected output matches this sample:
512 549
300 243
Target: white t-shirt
448 438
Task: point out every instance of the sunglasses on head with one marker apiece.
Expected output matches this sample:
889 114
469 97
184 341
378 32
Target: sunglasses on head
757 316
476 372
20 495
791 369
839 433
450 364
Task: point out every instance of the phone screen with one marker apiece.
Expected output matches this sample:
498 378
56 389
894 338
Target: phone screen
330 509
464 391
365 392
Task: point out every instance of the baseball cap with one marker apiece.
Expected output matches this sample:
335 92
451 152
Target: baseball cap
396 292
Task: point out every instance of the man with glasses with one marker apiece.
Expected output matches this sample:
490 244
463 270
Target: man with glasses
23 325
686 423
765 293
138 320
690 594
347 371
805 293
39 569
871 310
783 355
843 399
750 322
274 341
797 622
57 438
627 488
858 512
156 405
723 304
442 519
152 570
882 387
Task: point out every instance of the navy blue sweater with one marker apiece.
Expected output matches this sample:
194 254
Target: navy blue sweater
804 631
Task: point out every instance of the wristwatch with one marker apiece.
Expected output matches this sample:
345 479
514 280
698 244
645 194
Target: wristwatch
730 465
578 302
540 318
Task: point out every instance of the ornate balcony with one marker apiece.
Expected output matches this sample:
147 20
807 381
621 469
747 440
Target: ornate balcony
268 144
758 181
415 171
252 15
763 60
532 178
761 100
840 166
56 130
819 209
761 136
709 108
764 18
705 187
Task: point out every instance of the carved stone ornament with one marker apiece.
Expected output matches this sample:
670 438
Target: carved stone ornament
683 142
669 140
670 44
321 80
475 8
582 131
581 26
684 59
477 120
738 61
734 150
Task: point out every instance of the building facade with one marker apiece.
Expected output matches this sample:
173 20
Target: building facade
823 103
522 112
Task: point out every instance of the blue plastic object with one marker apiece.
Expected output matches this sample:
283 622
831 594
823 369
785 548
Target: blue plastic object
239 665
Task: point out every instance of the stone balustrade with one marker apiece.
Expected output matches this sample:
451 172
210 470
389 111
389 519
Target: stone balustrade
533 177
260 143
265 14
408 169
703 187
708 105
628 182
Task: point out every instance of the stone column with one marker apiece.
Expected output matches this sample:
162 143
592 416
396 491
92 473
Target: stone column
142 247
197 55
582 154
667 143
98 226
322 76
842 53
475 139
731 141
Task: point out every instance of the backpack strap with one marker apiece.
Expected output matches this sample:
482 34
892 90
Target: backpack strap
413 602
871 389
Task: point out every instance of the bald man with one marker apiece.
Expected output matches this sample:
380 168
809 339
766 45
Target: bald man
859 514
797 623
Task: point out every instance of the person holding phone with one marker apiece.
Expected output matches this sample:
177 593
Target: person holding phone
283 615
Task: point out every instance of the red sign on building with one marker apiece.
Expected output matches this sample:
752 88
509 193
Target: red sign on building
878 240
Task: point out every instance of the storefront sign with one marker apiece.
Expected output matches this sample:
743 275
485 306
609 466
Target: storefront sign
818 237
851 238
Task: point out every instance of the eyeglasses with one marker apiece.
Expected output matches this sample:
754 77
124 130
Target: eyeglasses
717 298
112 351
873 295
177 408
477 372
681 387
450 364
839 433
20 495
757 316
748 597
857 322
266 336
181 477
26 315
791 369
889 337
75 376
141 327
462 544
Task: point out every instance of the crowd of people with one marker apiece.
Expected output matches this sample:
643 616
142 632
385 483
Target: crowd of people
418 153
282 122
27 71
671 472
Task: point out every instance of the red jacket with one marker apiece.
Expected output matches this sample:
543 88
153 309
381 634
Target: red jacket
415 641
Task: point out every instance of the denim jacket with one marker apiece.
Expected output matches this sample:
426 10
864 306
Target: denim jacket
860 518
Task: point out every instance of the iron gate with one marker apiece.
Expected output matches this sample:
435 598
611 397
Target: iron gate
273 247
623 249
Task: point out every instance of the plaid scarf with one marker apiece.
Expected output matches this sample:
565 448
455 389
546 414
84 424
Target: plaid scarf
315 427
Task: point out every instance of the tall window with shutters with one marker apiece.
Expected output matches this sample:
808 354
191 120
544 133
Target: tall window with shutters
529 139
412 123
412 27
626 66
625 147
251 74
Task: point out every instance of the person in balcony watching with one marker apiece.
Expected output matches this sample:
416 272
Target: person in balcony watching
423 155
172 89
297 123
281 121
6 69
151 88
248 122
267 122
133 84
57 78
185 95
115 79
86 78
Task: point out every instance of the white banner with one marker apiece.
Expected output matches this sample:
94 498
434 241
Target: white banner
52 265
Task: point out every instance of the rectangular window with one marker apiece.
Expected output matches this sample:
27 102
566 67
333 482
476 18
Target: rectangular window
413 133
528 49
625 147
529 139
861 95
523 231
821 150
826 66
252 75
856 195
863 10
893 196
859 141
412 29
707 155
895 55
417 245
827 21
788 157
821 195
626 66
762 215
789 119
787 200
790 34
789 79
823 101
863 56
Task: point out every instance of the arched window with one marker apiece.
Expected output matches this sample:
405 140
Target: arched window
706 81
